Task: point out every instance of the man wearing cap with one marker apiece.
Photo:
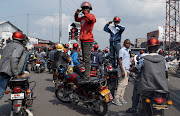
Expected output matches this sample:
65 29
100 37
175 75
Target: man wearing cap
86 35
115 32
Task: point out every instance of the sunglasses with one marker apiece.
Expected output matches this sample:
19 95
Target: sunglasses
85 7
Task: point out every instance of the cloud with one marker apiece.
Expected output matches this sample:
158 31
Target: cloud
100 23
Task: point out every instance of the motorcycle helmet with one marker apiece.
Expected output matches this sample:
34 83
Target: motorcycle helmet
141 52
18 35
59 47
152 42
86 4
75 45
96 46
116 19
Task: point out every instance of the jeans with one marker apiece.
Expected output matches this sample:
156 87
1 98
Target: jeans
4 79
135 98
86 52
114 53
25 63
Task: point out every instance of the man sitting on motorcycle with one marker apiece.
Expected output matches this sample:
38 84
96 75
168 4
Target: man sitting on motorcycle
41 57
75 59
12 61
96 58
152 70
60 58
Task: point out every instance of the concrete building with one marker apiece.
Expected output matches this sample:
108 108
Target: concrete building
6 31
139 41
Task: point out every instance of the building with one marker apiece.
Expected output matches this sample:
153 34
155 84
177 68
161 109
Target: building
6 31
32 41
160 34
139 41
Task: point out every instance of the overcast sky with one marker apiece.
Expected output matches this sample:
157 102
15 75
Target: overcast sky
138 16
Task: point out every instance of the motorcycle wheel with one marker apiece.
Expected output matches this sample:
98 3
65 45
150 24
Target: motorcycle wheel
22 113
178 73
100 107
60 94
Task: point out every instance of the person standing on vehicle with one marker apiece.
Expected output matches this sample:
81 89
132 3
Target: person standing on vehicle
123 70
115 32
86 35
12 61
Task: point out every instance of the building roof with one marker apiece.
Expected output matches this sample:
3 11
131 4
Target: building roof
10 24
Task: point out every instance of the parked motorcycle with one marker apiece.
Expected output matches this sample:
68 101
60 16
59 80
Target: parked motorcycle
21 96
90 92
153 103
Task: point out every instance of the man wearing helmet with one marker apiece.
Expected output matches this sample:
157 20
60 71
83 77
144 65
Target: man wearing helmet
96 58
86 35
12 61
75 59
115 38
152 69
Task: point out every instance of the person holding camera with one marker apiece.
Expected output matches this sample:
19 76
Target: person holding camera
115 32
86 36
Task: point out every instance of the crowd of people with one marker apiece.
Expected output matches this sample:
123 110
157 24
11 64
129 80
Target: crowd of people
151 67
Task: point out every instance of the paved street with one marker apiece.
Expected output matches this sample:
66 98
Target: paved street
46 103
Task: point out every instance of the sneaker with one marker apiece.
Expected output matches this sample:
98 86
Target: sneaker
122 101
116 102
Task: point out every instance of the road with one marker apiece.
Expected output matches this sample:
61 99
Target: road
46 103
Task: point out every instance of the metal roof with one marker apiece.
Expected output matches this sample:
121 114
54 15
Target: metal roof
10 24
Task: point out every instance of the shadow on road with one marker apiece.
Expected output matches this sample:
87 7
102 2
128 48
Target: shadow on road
176 101
51 89
78 108
5 110
49 80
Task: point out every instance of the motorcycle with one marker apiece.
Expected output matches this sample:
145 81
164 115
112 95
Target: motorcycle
94 72
39 67
21 96
112 78
49 66
153 103
89 92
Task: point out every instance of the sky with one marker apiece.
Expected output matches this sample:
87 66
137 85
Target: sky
137 16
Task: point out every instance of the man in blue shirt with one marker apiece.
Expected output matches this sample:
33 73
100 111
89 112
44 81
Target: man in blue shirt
115 32
123 70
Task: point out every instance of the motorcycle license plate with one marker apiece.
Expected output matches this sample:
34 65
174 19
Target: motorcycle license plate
104 92
160 106
108 97
17 96
37 64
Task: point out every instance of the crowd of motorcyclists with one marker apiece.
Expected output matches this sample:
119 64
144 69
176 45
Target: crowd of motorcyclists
151 68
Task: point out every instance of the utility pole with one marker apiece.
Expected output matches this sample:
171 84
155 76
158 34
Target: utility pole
27 24
60 20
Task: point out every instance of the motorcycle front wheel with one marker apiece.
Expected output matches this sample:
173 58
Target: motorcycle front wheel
100 107
62 94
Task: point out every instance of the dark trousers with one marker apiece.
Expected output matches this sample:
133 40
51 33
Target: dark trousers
114 53
86 52
77 70
135 97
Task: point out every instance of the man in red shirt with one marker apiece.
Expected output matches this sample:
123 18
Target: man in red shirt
86 35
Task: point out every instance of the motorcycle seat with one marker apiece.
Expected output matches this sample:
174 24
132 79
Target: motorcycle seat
92 80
